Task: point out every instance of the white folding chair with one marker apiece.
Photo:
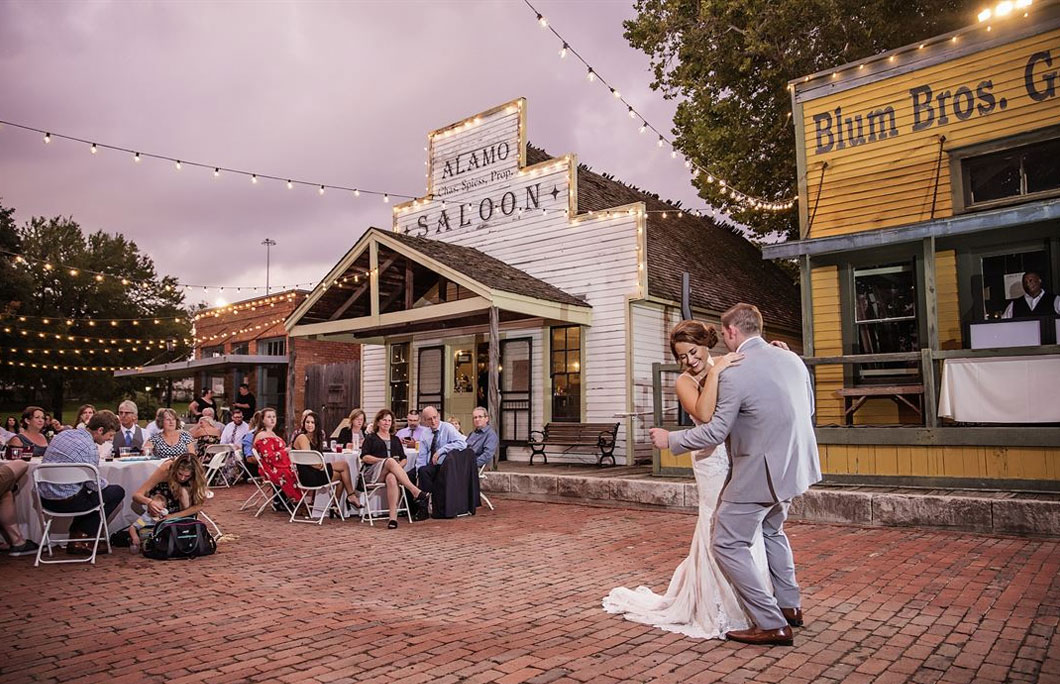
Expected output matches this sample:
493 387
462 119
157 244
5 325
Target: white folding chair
481 477
370 489
267 485
255 480
314 459
216 455
68 474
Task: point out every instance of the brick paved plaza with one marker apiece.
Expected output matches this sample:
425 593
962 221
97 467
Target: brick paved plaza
514 596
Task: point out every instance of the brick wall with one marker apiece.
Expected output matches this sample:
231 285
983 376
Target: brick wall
262 321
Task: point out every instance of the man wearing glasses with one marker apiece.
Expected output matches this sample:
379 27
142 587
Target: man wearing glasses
130 436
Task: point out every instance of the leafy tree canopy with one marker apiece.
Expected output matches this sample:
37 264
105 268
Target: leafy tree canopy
730 62
33 291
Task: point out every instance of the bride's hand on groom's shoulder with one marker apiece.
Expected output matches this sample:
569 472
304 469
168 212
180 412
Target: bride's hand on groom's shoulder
781 344
730 359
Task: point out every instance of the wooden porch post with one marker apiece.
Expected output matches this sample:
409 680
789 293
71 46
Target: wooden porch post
929 305
495 374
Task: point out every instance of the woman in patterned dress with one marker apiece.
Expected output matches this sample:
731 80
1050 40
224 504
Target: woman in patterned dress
273 461
172 441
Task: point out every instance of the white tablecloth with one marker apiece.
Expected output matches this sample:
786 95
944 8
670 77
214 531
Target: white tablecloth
1001 390
352 460
129 475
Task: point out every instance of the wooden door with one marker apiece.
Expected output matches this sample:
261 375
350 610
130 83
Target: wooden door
332 390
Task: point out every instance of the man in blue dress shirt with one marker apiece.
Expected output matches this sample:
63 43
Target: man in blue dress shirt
443 439
482 440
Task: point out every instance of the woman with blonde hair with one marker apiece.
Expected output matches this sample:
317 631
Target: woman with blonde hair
354 432
172 441
180 484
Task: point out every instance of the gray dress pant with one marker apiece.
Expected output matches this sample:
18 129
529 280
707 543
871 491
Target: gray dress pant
735 528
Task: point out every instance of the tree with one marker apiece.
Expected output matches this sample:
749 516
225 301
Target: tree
731 60
57 283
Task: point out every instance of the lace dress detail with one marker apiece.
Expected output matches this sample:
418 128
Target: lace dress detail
699 601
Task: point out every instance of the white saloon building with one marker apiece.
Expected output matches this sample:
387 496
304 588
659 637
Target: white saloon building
578 275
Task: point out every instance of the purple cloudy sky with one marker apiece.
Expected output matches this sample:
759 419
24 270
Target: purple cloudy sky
342 93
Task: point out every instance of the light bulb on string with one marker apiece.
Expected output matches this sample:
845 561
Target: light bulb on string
643 126
632 114
386 198
47 137
660 143
216 172
93 149
615 93
563 51
254 178
290 185
356 192
178 165
321 190
542 21
591 75
136 157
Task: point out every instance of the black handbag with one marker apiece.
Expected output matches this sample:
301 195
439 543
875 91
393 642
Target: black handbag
179 538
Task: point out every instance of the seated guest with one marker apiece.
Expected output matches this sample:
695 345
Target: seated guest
354 432
177 489
413 431
444 438
248 444
6 434
236 429
14 543
275 462
31 436
312 439
52 426
383 459
11 424
172 441
1035 302
84 414
198 404
79 446
482 440
455 422
130 435
155 426
205 432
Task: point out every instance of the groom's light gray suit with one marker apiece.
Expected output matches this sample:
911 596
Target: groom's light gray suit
765 407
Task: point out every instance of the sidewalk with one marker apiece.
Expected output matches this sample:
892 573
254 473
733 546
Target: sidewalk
514 596
991 512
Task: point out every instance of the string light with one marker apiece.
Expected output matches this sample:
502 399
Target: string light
64 367
747 201
178 163
563 51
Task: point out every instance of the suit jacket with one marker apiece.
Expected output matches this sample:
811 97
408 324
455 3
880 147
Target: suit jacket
765 407
137 440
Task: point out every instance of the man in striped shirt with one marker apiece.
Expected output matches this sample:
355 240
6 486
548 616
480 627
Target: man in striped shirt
81 446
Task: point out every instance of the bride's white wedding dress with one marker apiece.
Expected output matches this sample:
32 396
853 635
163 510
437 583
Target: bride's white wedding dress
699 602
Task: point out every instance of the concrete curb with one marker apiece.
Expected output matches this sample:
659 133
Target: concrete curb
966 511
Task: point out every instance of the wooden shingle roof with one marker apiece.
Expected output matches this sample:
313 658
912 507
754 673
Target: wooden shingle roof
491 272
724 267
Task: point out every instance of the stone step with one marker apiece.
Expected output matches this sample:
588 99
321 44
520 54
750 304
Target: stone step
1024 514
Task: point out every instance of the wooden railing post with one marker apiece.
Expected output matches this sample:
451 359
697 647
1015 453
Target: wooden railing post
927 369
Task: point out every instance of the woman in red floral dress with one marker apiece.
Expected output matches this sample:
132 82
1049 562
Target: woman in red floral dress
276 464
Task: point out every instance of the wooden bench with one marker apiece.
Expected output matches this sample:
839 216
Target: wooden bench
897 392
574 436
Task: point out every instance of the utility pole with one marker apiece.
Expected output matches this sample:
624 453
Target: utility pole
269 244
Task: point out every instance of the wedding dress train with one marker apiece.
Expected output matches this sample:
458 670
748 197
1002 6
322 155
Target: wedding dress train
699 601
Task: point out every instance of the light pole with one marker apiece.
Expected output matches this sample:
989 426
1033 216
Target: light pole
269 244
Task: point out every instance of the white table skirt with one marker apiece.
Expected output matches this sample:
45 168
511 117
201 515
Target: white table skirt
1001 390
129 475
353 461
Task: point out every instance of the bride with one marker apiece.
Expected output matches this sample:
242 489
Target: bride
699 602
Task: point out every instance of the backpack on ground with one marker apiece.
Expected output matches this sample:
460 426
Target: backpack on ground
179 538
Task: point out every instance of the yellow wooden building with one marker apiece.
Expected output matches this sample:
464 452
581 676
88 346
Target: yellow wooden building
929 192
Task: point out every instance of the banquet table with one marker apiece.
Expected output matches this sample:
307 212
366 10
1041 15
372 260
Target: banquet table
129 474
353 462
1008 389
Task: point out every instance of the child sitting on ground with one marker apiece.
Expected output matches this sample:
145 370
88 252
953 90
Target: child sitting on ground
146 520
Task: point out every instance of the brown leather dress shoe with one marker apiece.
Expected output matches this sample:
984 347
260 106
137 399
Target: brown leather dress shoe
793 616
764 637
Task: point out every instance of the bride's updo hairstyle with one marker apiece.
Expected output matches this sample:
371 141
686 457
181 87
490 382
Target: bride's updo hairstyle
693 332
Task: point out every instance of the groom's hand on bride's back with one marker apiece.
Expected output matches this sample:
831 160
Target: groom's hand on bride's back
782 344
660 438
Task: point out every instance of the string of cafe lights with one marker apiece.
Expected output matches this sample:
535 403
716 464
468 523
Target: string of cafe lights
77 350
65 367
100 276
749 201
1004 10
233 333
218 169
251 305
101 341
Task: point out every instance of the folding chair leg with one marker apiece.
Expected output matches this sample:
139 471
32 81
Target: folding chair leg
485 499
405 498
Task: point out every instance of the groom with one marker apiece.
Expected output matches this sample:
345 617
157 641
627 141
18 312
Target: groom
765 406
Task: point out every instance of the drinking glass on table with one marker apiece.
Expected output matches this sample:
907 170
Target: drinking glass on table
148 447
14 453
124 451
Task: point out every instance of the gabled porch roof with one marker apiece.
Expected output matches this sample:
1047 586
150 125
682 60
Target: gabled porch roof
390 283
